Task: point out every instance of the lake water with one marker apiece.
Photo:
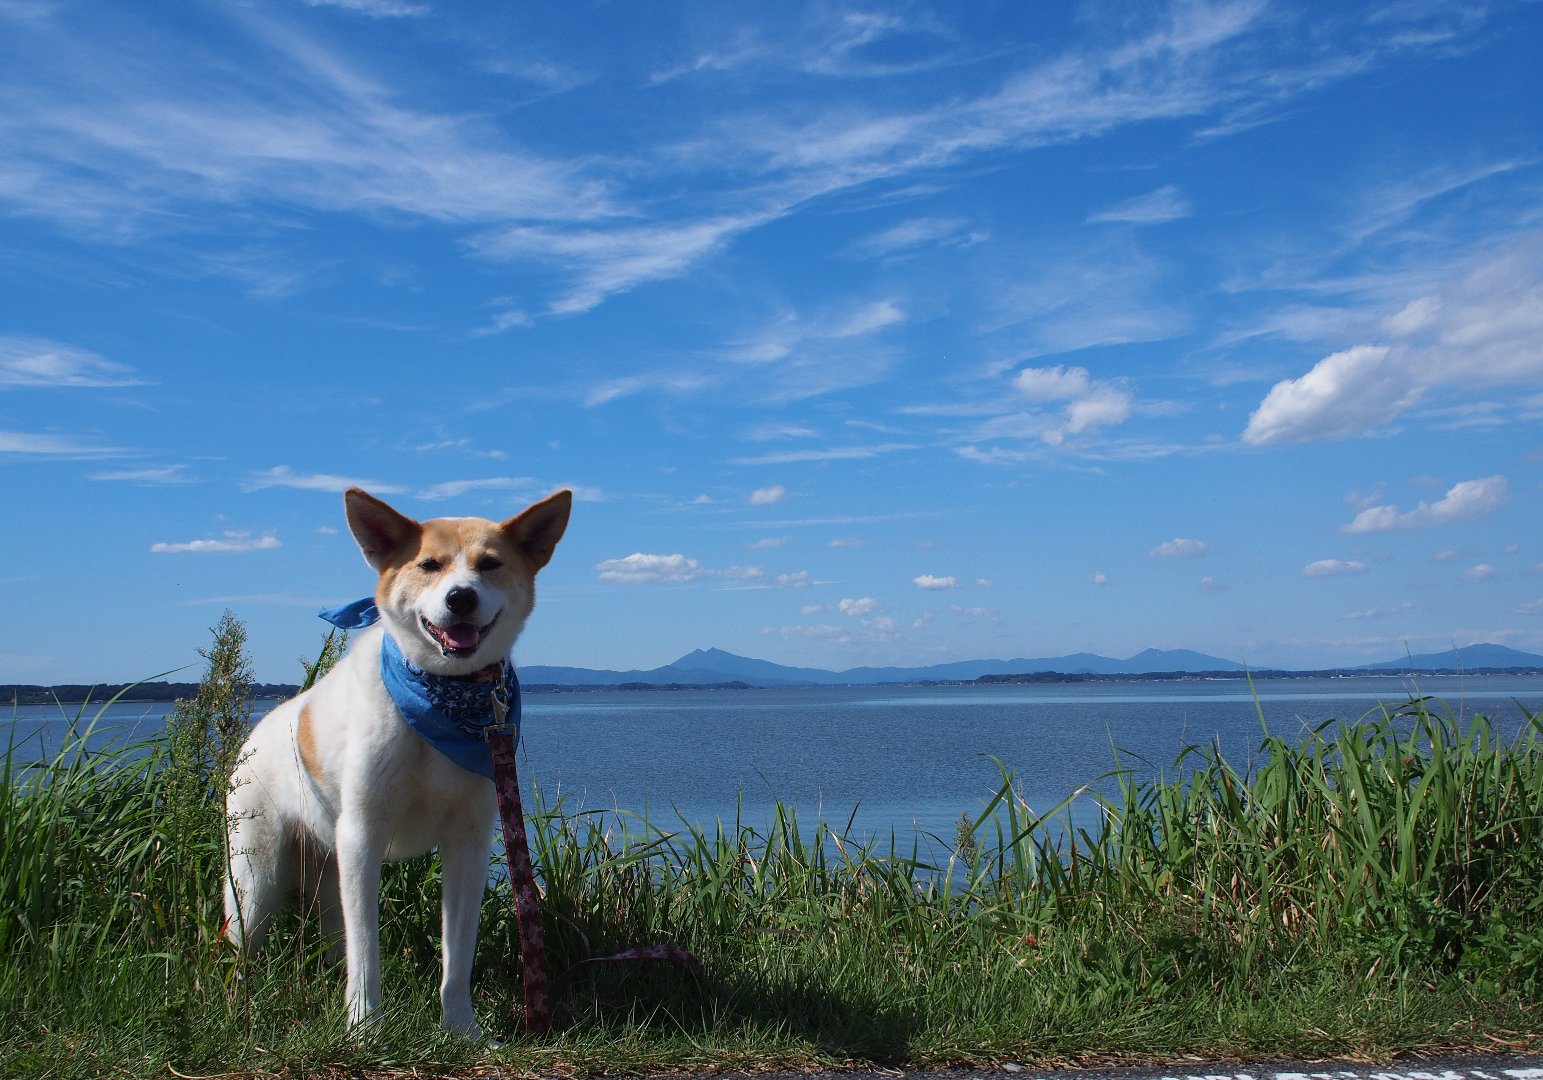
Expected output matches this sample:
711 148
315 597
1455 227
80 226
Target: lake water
907 759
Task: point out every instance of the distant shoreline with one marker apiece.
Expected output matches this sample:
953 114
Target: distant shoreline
157 692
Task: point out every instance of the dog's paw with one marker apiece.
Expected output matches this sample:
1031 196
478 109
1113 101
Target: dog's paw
464 1025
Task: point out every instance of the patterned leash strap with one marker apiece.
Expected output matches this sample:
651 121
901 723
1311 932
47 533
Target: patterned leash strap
522 879
527 903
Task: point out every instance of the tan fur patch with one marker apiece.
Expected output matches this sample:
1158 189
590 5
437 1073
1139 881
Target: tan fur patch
305 738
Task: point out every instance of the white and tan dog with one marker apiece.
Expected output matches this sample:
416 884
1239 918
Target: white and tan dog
334 782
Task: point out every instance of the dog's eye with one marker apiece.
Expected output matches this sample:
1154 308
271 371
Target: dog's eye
431 566
488 564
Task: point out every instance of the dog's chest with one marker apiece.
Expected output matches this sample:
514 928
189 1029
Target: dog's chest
427 798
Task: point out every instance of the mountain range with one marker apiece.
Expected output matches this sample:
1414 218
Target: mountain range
706 667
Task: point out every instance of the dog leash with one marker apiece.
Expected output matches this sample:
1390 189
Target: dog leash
522 878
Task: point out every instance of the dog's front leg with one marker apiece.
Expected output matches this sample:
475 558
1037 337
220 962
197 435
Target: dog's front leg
465 862
359 856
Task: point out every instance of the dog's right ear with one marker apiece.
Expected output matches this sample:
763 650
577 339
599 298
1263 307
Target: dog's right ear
382 533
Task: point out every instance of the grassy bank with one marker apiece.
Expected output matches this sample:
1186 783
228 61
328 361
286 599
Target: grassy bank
1372 888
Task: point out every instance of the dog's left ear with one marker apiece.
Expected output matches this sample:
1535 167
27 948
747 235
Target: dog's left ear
536 530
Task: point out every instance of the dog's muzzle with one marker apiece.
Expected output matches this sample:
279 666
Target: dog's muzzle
458 640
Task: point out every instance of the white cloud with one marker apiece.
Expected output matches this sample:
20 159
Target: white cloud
36 362
1099 578
233 543
811 609
857 608
932 582
1333 568
640 569
282 476
1479 572
1153 208
644 569
1477 330
1347 393
1089 404
1211 585
1179 548
769 542
799 579
767 496
1052 383
1465 501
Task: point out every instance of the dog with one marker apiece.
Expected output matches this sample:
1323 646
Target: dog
335 781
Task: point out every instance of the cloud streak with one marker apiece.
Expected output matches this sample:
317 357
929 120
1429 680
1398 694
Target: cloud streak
1465 501
232 543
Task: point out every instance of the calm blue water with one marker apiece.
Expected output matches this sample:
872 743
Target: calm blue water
908 759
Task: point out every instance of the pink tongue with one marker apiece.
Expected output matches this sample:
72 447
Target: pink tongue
461 636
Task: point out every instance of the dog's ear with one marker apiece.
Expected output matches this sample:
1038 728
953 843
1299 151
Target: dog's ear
537 530
382 533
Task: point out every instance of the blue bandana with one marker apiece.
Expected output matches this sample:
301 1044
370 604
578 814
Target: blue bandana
452 713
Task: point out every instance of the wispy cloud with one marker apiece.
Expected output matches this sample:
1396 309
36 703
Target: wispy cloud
375 9
451 489
232 543
314 130
608 261
282 476
1334 568
1154 208
675 382
915 235
933 582
32 444
153 476
37 362
836 453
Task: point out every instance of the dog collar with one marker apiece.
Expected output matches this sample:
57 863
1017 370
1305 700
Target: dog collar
454 713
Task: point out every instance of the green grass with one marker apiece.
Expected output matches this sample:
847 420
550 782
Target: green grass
1369 889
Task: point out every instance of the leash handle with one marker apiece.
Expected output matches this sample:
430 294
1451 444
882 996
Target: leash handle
522 879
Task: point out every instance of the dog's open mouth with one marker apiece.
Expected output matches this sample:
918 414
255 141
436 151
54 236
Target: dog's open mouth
458 639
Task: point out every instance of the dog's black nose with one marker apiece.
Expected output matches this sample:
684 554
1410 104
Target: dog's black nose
461 600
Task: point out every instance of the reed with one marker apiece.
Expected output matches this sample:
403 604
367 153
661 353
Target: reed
1375 886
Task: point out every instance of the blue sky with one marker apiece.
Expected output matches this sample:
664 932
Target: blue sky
864 333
